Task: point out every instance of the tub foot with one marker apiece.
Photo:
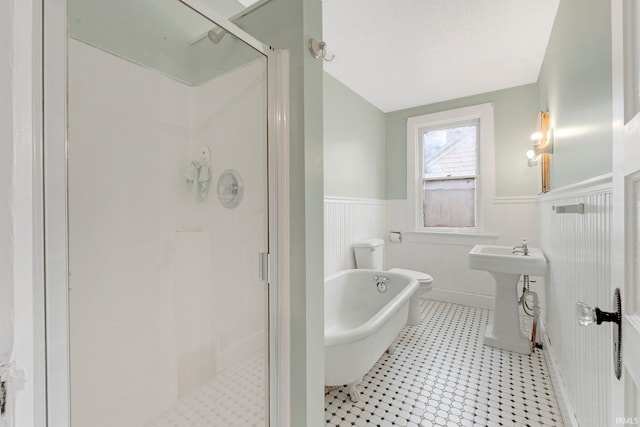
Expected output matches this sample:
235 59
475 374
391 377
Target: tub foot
391 349
354 394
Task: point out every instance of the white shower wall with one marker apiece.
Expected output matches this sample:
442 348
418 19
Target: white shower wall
163 293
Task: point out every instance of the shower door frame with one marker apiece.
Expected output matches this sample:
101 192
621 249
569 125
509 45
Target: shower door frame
55 204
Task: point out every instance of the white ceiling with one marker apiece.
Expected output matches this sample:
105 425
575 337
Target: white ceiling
404 53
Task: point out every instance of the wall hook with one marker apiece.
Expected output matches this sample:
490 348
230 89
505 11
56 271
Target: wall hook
319 50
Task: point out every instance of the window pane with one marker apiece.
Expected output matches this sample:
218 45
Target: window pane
450 203
450 151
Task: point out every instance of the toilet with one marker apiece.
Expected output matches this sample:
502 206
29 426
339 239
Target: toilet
370 254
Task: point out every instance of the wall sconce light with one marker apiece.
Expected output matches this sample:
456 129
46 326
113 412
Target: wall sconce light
542 148
542 144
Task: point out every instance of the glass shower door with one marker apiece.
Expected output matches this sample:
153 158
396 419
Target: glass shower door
167 213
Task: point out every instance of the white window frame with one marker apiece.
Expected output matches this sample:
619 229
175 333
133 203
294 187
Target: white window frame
485 174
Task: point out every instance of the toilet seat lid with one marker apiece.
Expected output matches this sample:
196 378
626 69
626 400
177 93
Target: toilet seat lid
418 275
369 243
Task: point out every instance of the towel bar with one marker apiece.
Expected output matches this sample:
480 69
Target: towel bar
579 208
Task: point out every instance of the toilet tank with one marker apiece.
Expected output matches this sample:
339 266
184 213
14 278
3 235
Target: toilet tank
369 254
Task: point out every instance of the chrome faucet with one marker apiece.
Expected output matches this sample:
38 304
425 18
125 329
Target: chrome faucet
383 279
523 249
381 283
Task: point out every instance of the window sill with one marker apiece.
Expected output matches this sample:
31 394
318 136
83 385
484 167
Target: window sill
449 237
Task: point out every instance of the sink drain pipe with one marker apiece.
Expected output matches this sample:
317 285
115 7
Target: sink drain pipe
531 311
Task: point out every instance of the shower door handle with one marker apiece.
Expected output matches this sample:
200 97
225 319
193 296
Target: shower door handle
264 262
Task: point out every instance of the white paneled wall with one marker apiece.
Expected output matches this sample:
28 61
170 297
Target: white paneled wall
445 258
579 252
443 255
348 221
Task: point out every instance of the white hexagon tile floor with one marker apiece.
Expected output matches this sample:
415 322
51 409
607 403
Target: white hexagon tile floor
442 374
234 397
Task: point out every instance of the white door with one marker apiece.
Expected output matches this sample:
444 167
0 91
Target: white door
626 205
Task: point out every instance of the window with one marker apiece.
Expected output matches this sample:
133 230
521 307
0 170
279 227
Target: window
444 152
449 173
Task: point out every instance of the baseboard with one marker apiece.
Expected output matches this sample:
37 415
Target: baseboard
464 298
558 385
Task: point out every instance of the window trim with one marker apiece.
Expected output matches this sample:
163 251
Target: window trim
485 179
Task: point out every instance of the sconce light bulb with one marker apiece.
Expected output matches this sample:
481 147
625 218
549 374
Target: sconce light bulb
531 154
536 136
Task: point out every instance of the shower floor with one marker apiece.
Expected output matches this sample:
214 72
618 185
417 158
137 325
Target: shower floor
234 397
442 374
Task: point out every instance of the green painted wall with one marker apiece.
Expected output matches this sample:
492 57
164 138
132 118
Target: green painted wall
288 24
354 144
515 113
575 87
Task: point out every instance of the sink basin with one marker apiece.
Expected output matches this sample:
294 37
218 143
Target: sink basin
506 268
501 259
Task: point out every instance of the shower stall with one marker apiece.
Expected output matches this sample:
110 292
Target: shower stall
168 307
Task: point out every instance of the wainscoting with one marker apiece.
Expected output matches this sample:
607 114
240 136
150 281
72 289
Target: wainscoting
578 248
445 255
445 258
442 255
348 221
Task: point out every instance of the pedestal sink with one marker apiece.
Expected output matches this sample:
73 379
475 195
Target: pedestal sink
506 267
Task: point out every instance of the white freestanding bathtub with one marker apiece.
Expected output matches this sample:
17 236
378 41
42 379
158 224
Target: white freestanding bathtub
361 320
